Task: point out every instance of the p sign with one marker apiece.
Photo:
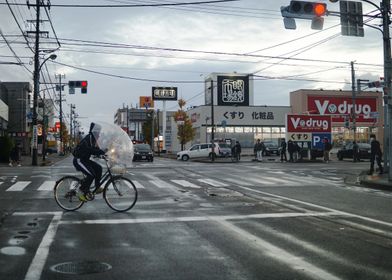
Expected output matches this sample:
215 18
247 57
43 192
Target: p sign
317 140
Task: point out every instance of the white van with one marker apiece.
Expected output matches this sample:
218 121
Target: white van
204 150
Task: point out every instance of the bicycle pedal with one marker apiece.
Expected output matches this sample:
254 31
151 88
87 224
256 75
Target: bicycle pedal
89 196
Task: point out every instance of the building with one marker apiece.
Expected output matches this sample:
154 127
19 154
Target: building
131 121
366 116
17 96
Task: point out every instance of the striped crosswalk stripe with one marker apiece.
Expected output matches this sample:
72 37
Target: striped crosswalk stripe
138 185
213 182
161 184
18 186
47 186
185 183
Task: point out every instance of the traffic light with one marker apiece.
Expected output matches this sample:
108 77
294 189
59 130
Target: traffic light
351 18
304 10
83 85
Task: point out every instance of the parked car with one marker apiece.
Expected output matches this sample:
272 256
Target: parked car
204 150
271 148
347 151
142 152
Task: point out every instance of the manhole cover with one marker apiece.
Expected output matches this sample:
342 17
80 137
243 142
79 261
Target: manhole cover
84 267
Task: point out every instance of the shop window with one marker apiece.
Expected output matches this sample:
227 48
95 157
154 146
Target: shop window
239 130
248 129
230 129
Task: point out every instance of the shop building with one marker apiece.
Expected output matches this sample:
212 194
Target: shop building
366 116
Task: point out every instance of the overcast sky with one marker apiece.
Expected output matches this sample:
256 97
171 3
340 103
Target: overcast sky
236 28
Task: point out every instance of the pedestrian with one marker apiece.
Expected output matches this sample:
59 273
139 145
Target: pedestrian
238 149
15 156
326 149
290 148
375 154
258 149
296 152
283 147
356 152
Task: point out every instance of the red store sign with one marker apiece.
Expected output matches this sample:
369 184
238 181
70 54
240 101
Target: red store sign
308 123
339 107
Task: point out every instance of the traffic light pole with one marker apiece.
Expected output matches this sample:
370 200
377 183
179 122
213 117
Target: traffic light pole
385 9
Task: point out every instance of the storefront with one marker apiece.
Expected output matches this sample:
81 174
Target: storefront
366 116
243 123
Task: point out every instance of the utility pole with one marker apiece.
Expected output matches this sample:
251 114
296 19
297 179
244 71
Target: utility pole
385 10
212 122
59 76
36 87
353 97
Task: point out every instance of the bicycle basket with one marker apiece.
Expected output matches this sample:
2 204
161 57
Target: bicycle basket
118 169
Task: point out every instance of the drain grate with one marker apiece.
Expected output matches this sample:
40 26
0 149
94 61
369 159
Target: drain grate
83 267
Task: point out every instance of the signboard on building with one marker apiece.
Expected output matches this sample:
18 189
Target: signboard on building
164 93
308 128
341 106
146 102
233 90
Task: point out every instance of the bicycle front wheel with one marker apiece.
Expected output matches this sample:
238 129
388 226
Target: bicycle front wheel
66 193
120 194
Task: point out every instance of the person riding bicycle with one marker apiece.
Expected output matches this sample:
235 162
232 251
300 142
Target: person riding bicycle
82 153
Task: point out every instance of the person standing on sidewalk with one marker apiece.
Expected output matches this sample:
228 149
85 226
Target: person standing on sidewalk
258 148
355 152
291 149
375 154
283 147
326 149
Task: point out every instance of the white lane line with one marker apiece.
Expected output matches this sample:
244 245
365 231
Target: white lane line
138 185
297 263
235 181
18 186
1 183
203 218
185 183
261 181
37 265
47 186
212 182
319 207
161 184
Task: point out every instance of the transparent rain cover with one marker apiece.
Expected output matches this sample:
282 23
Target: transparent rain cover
118 146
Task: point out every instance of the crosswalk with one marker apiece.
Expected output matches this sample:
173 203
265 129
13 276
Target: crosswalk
148 181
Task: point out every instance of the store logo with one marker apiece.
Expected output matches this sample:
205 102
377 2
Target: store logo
233 91
343 108
310 123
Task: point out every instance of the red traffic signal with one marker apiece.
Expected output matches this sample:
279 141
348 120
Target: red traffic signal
319 9
83 83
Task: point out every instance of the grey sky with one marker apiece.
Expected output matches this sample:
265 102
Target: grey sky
237 27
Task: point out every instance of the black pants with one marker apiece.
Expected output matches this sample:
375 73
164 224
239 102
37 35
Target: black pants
378 159
91 169
283 155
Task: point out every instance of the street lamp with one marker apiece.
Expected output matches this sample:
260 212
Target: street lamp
37 70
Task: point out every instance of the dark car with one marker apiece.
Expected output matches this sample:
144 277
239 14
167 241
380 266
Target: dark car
347 151
271 148
142 152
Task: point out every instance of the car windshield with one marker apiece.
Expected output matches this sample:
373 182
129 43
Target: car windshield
364 145
142 147
270 144
224 146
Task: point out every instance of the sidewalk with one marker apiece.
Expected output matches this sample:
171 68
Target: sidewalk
375 181
49 160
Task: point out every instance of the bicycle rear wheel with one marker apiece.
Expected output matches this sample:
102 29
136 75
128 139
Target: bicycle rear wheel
120 194
66 193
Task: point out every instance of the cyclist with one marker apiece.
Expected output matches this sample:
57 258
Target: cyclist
82 153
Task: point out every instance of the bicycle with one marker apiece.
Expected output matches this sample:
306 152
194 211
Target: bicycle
119 192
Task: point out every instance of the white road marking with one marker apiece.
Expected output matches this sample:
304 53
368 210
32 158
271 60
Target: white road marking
318 206
212 182
185 183
235 181
297 263
47 186
203 218
138 185
37 265
161 184
18 186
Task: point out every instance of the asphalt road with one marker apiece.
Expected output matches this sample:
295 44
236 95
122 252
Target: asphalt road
195 220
